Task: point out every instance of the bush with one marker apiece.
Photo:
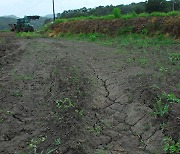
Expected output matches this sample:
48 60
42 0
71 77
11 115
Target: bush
117 12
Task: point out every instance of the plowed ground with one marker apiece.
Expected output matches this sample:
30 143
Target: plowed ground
68 97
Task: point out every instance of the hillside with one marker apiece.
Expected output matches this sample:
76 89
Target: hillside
4 21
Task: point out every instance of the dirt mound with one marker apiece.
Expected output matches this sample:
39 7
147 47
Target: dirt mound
150 25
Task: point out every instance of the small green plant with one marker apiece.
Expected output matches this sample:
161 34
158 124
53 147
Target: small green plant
57 142
163 69
65 104
80 112
144 31
32 147
97 129
117 12
160 109
174 58
171 146
92 37
1 120
143 61
76 77
17 93
172 98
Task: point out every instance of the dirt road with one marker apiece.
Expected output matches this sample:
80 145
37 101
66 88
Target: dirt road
59 96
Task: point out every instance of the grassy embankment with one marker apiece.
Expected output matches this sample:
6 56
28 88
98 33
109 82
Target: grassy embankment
117 15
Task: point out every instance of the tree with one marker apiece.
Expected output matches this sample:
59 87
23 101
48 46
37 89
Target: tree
156 6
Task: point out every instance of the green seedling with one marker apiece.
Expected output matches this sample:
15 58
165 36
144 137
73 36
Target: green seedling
92 37
17 93
65 104
163 69
80 112
172 98
1 120
76 77
143 61
97 129
174 58
32 147
57 142
171 146
160 109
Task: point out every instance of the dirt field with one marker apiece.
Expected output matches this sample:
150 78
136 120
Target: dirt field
68 97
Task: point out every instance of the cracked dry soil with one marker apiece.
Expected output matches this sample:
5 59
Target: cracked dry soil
103 115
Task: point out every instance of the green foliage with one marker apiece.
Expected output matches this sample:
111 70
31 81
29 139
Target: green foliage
172 98
155 5
160 109
80 112
171 146
97 129
92 37
163 69
174 58
32 147
17 93
143 61
144 31
29 34
117 12
57 142
65 104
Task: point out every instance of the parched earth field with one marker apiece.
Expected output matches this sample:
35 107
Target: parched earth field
74 97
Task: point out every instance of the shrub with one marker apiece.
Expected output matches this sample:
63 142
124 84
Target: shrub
117 12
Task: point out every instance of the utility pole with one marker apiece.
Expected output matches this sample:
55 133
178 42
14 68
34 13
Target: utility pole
173 3
54 16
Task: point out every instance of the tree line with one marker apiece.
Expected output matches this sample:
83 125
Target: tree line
149 6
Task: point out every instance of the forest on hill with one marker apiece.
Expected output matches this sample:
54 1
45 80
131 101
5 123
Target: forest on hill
148 6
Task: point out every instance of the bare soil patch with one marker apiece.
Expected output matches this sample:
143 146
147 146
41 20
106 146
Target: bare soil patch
59 96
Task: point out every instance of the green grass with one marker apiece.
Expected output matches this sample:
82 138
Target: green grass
117 15
160 109
171 146
29 34
174 58
65 104
125 38
171 98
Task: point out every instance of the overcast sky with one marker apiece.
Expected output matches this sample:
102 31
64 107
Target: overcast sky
44 7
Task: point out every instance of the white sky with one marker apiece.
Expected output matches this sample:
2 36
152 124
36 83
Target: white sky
44 7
